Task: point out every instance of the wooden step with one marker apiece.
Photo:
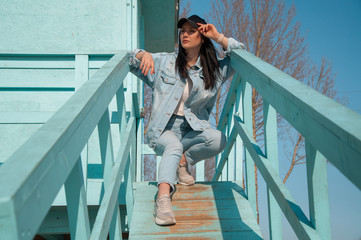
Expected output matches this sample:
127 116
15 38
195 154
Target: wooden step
206 210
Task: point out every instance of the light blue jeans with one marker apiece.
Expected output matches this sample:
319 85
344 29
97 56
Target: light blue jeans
178 138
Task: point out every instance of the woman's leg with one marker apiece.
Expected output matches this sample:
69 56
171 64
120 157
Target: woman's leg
200 145
170 148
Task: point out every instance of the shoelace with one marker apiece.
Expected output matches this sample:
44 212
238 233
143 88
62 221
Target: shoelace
162 202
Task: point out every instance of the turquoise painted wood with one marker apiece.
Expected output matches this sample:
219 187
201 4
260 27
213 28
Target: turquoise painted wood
223 159
314 115
217 210
271 152
107 156
249 161
81 69
231 156
297 219
331 130
52 152
76 203
234 96
110 199
239 144
33 87
318 191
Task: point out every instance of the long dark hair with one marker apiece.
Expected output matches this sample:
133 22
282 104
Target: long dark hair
209 63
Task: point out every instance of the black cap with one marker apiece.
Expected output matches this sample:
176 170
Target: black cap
193 20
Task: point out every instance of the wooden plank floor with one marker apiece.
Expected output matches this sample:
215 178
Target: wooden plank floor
206 210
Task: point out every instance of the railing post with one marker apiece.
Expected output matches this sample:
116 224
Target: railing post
318 191
82 76
271 151
250 166
128 185
122 115
81 70
76 204
140 130
158 159
239 148
200 171
130 177
224 174
107 156
231 159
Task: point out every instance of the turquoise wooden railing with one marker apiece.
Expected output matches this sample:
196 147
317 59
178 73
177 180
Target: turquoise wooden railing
32 177
331 132
53 153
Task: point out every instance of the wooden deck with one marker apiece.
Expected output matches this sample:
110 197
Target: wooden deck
206 210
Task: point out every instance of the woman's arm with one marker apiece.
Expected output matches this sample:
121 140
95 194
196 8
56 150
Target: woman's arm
140 62
210 31
228 44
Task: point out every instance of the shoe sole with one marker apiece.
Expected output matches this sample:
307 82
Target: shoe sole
186 184
169 221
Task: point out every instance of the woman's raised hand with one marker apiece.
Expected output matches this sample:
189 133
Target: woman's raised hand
147 63
208 30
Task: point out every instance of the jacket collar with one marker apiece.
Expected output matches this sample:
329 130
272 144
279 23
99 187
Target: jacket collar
197 65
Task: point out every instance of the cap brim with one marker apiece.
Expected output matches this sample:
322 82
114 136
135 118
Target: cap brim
183 20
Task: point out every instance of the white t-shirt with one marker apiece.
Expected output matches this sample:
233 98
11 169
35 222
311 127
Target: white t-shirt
187 89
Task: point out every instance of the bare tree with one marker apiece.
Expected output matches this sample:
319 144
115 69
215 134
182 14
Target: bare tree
184 8
269 31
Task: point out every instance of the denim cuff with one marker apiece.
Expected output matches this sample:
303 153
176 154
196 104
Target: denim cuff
233 44
133 61
172 187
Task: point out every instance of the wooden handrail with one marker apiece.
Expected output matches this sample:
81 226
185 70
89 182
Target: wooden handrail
32 177
331 130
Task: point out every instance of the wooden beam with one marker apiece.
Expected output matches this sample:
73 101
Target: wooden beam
333 129
77 206
226 151
271 152
52 152
295 216
318 191
110 199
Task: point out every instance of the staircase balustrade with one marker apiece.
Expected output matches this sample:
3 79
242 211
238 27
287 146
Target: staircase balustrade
331 132
32 177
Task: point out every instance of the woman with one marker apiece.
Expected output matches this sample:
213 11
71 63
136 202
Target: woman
184 90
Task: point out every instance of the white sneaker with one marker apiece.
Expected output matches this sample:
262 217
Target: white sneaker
163 211
184 175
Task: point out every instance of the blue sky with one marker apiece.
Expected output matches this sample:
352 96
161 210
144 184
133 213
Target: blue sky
333 31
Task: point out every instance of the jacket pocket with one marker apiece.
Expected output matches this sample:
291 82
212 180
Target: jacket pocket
168 80
165 83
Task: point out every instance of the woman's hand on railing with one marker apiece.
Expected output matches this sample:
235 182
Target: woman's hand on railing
147 62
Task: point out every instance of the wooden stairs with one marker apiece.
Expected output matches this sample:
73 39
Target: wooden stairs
206 210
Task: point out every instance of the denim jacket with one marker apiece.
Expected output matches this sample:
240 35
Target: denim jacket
167 89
